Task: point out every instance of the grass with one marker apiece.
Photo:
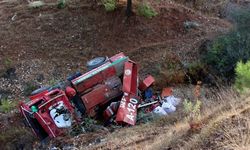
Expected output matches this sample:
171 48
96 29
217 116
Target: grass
9 134
16 137
7 105
174 131
236 134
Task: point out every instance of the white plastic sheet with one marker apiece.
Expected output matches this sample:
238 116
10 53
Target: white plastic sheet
172 100
168 106
159 111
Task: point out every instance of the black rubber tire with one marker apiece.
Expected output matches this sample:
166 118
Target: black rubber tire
37 91
96 62
79 104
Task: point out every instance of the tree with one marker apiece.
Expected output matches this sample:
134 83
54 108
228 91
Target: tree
129 8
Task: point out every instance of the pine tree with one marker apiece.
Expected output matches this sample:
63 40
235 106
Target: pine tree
129 8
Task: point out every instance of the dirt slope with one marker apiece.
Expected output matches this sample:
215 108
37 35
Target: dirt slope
39 45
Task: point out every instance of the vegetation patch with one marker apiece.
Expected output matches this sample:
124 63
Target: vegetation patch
242 81
197 71
30 87
7 105
225 51
144 9
16 138
193 109
61 4
110 5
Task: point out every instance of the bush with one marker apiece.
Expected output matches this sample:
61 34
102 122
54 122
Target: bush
193 110
6 106
109 5
242 81
144 9
61 4
225 51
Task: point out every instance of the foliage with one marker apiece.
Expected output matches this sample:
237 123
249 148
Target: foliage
225 51
143 117
8 69
61 4
7 62
53 81
109 5
7 105
242 81
144 9
192 109
196 71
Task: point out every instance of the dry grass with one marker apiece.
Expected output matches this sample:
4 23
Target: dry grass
216 120
174 131
225 118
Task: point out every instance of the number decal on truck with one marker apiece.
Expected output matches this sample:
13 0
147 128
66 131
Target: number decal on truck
132 109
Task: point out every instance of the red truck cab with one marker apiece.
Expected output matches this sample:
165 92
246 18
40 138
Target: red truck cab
48 113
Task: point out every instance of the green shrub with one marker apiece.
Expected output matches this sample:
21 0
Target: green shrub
109 5
196 71
193 110
61 4
242 81
6 106
225 51
144 9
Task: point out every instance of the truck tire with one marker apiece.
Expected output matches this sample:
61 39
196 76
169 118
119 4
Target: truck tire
96 62
37 91
79 104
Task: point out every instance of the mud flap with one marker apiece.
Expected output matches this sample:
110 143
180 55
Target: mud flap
127 111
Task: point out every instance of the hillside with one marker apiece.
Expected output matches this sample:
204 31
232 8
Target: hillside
41 46
225 126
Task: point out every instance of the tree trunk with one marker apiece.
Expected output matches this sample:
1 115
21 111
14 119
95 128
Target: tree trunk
129 8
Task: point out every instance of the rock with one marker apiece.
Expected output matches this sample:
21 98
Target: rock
10 73
40 77
191 24
36 4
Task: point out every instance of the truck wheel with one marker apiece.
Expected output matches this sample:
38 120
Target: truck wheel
96 62
37 91
79 104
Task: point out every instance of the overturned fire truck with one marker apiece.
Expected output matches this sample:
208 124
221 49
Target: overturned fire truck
110 89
